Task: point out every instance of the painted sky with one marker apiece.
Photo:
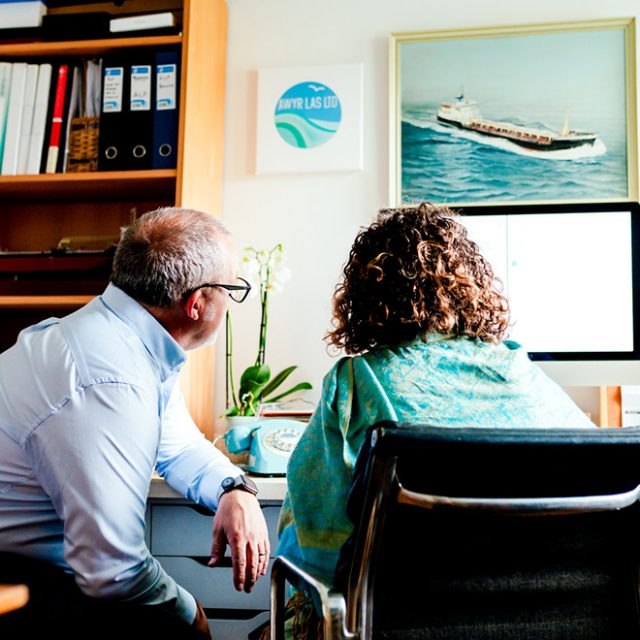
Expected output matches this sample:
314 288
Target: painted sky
581 72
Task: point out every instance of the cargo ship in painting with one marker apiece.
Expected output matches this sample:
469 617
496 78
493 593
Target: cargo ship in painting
465 114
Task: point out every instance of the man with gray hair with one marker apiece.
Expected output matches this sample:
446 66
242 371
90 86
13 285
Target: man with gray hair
89 407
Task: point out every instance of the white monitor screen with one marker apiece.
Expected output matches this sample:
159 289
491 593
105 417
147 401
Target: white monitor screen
568 272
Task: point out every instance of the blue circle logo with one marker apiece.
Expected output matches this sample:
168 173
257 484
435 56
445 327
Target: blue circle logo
307 115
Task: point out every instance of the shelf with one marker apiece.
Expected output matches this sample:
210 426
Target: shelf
83 47
42 302
102 185
36 211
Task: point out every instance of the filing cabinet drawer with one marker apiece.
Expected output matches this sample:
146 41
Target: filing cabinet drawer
180 530
213 587
233 629
184 530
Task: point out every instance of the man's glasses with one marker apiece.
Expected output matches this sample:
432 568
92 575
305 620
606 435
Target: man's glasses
237 292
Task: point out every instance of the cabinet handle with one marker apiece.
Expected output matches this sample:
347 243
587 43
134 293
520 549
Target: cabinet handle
204 561
202 510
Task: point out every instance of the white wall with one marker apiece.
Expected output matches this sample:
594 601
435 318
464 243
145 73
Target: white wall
316 216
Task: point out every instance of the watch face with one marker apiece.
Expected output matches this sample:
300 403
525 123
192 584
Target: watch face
227 483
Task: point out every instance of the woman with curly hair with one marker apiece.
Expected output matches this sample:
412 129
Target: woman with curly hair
421 315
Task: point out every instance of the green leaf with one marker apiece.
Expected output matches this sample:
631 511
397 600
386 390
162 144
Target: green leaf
232 411
253 381
298 387
278 380
256 374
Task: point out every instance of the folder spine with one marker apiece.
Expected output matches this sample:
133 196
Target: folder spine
56 119
5 87
113 114
27 117
36 139
14 119
166 111
71 109
139 122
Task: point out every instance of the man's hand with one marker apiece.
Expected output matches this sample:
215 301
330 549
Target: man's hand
240 524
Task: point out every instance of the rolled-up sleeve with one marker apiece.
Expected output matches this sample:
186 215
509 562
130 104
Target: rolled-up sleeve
187 460
94 456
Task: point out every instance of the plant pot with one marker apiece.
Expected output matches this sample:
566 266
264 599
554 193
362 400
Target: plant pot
237 421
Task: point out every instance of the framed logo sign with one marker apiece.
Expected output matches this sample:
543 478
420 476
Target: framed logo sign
309 119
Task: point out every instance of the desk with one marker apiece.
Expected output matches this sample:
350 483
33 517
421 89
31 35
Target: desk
13 596
179 535
268 488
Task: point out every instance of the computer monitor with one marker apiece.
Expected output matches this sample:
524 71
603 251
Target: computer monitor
572 276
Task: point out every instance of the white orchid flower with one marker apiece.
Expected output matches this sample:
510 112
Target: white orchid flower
279 277
250 267
267 272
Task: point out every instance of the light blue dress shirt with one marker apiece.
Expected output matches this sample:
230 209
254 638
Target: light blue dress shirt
89 405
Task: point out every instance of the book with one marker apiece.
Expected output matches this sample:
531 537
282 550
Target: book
5 86
92 78
53 148
27 117
142 23
14 118
21 14
55 69
73 108
38 126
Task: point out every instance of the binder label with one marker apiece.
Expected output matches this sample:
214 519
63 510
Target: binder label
112 100
166 87
141 88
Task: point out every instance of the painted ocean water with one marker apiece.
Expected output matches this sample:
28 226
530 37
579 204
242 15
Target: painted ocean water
447 165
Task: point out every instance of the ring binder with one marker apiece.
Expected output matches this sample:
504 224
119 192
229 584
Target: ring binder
113 115
165 113
139 123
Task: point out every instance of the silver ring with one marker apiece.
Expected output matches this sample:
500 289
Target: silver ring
262 554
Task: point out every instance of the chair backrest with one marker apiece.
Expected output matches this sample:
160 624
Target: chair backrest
489 534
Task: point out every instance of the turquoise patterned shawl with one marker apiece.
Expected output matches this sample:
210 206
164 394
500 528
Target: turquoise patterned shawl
447 381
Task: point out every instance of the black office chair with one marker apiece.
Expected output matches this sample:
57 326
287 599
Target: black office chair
486 534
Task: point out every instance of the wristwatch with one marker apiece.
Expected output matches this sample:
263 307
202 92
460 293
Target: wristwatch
240 482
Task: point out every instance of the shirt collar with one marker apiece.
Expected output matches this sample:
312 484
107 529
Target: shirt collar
169 355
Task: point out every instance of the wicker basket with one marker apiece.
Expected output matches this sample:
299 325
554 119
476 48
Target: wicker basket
83 145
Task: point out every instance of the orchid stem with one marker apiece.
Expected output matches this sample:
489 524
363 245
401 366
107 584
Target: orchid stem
262 344
229 361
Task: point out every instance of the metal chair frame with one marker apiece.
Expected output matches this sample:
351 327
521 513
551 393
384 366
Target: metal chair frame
350 616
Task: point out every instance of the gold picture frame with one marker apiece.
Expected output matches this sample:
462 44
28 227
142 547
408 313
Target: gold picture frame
540 113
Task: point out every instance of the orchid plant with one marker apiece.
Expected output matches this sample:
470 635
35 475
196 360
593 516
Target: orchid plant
268 269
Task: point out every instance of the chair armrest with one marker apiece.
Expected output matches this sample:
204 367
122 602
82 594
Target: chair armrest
333 603
519 506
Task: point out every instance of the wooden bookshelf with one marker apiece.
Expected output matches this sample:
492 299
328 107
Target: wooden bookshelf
43 302
73 186
36 211
82 47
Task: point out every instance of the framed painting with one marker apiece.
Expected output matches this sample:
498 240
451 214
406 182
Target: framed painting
535 113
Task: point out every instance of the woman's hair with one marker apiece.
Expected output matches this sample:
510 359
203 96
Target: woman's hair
167 252
414 272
